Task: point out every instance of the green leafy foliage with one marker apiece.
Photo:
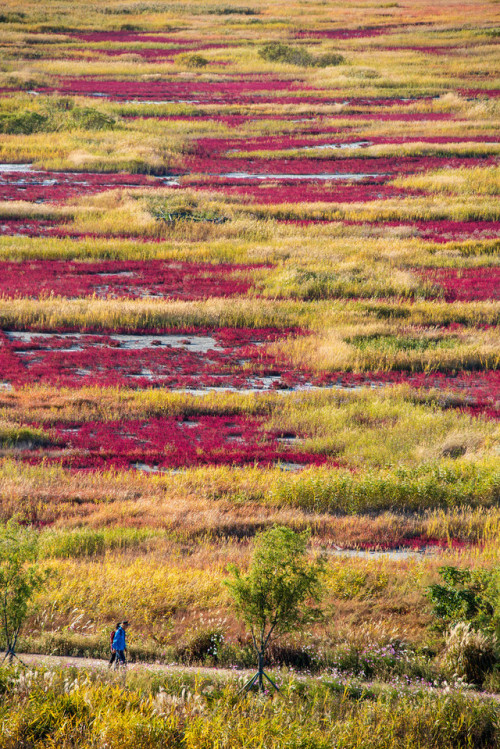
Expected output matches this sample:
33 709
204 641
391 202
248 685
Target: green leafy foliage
24 123
233 10
88 118
54 116
193 61
14 435
202 644
402 343
329 60
279 52
281 590
20 578
465 596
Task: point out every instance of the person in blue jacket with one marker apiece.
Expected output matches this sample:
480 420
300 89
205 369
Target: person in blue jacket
113 651
120 644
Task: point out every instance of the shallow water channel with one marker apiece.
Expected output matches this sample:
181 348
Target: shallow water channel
197 343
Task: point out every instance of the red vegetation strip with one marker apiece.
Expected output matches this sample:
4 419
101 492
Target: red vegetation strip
42 187
466 284
243 89
154 278
173 442
129 37
225 357
449 231
220 166
211 146
272 191
29 227
473 93
427 49
174 90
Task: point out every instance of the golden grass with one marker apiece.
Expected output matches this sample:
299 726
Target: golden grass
170 588
478 181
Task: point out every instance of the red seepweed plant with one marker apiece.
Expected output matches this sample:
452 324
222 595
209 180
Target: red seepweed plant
112 279
466 284
172 442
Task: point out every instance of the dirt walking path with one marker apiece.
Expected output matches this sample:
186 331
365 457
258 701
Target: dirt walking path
32 659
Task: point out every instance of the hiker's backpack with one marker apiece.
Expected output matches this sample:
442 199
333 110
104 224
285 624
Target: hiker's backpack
113 633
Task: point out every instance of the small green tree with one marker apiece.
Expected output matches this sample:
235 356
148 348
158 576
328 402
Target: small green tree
20 578
465 596
279 593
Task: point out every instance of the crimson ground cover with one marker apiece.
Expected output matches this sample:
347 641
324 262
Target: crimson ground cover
27 226
240 90
356 178
42 186
425 49
131 37
262 107
473 93
359 166
54 187
172 442
284 190
187 359
154 278
204 91
466 284
116 86
448 231
342 141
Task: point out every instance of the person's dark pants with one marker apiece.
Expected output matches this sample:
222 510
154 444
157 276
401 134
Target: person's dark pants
113 657
120 657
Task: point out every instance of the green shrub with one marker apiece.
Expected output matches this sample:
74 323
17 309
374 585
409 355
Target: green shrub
16 17
278 52
328 60
412 488
193 61
383 662
466 596
87 118
230 10
24 124
14 435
